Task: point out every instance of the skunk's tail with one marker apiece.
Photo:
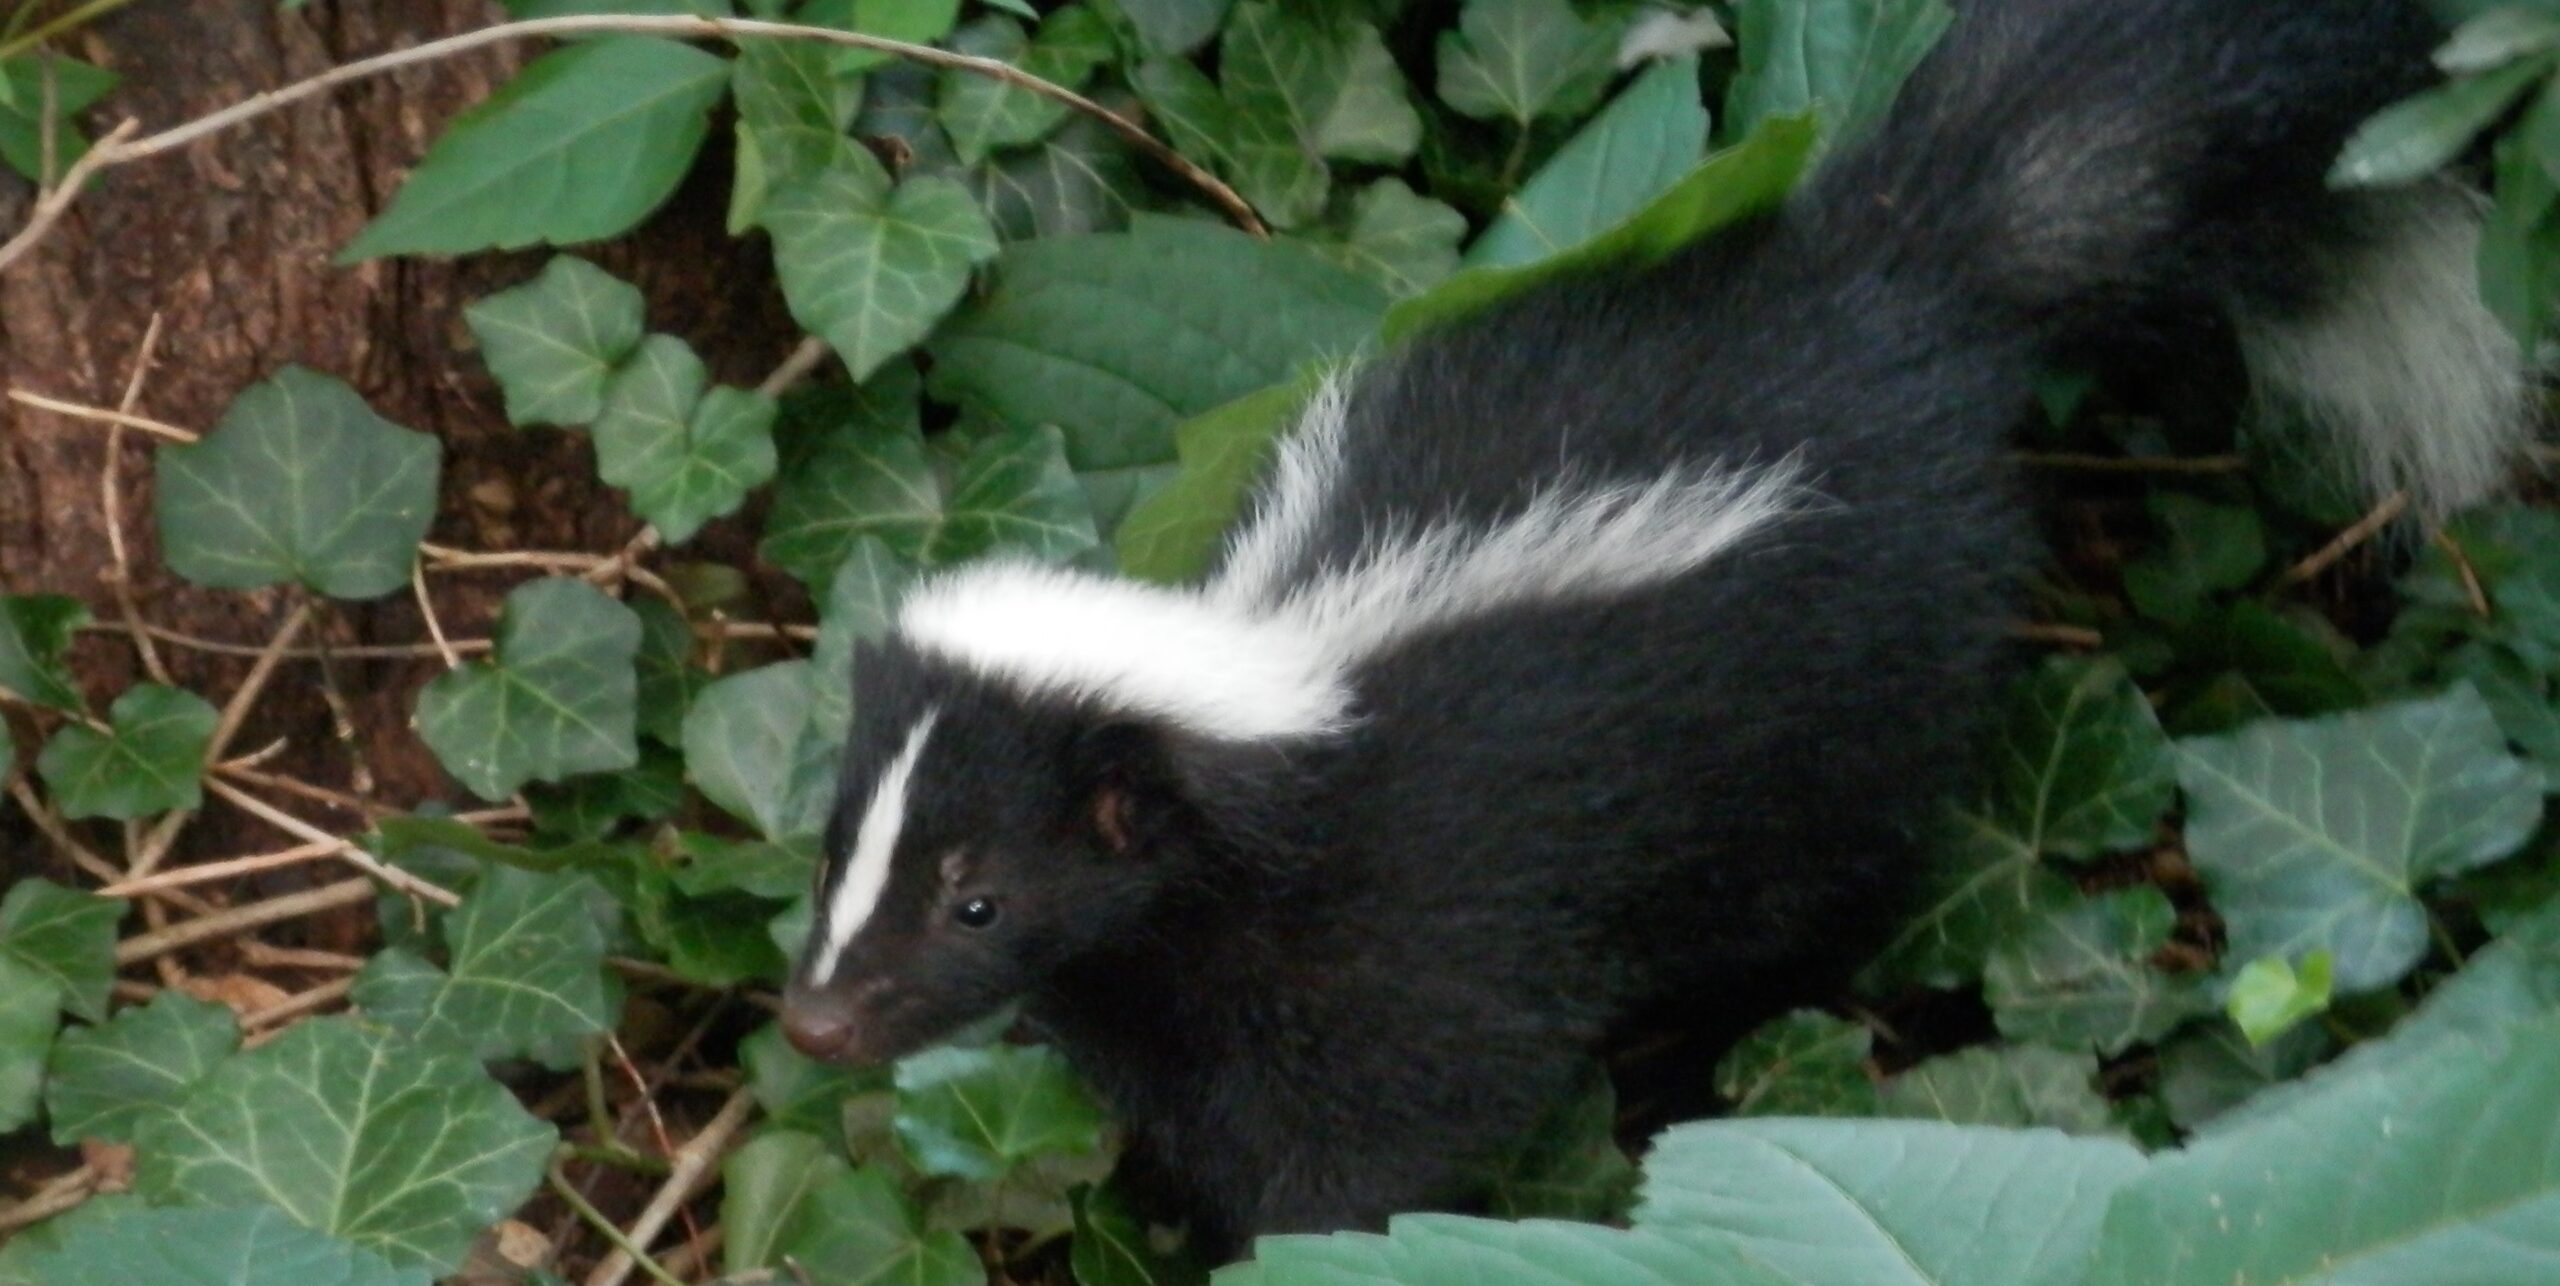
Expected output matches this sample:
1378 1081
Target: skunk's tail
2091 167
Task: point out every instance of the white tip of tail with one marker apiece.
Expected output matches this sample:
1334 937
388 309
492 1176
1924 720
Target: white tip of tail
2401 359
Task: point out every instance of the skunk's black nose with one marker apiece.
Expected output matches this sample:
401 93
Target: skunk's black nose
814 1032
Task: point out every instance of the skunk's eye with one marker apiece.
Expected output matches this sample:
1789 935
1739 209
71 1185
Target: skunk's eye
976 913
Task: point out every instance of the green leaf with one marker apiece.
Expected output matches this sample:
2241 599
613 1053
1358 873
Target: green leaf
580 146
1301 91
1983 886
1403 242
2008 1085
150 760
715 940
300 481
405 1150
686 456
592 806
754 748
764 1187
794 104
1874 1202
2082 977
193 1247
2210 1068
2206 548
2441 1170
1569 1166
2268 998
1519 60
1437 1249
774 872
2521 700
799 1093
524 974
921 22
1806 1063
668 678
1111 1246
2314 835
869 265
982 114
554 341
30 1013
2080 767
1172 535
977 1113
67 937
1028 353
861 605
1014 490
1845 59
35 634
1724 189
556 699
2495 38
76 86
1081 178
1651 134
854 465
2416 136
2512 553
856 1226
104 1081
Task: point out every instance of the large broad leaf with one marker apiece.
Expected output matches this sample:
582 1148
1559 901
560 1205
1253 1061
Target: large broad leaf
554 341
1652 133
754 747
2415 137
1845 58
1519 60
556 700
67 937
2080 766
1028 351
1806 1063
685 455
524 978
190 1247
2437 1170
76 85
2314 835
977 1113
2082 977
300 481
872 265
1172 535
35 633
855 465
30 1013
2011 1085
104 1081
580 146
1726 188
1874 1203
150 758
981 114
400 1148
1446 1249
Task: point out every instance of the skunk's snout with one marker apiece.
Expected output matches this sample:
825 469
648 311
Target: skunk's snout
836 1025
820 1035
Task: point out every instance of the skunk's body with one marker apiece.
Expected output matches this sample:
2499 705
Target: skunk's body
1599 652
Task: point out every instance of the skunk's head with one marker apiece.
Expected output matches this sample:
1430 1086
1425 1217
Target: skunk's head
1036 758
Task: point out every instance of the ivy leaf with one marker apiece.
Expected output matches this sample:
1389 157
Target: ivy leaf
2269 997
764 1187
300 481
405 1150
1111 1247
686 456
35 632
754 749
1172 535
861 605
150 760
76 87
713 939
668 678
1569 1166
981 114
1872 1201
2314 834
1983 885
857 1226
1301 91
1520 60
591 806
855 465
1168 26
104 1081
2082 977
557 698
1078 179
580 146
554 341
1650 136
2206 548
977 1113
919 22
794 104
30 1013
65 936
1404 242
2009 1085
799 1093
871 265
2080 766
524 975
194 1247
1845 59
2416 136
2210 1068
1806 1063
1014 490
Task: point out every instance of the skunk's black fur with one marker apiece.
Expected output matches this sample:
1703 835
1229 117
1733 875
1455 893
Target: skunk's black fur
1319 974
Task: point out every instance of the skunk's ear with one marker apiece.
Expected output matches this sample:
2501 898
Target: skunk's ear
1138 784
1126 785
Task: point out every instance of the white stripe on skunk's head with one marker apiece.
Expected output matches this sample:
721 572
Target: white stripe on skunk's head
1147 651
866 865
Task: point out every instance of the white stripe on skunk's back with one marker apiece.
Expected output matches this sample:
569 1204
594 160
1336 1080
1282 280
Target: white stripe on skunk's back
1265 651
866 872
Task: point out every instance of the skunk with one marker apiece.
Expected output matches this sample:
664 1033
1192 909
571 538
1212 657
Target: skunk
1600 651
